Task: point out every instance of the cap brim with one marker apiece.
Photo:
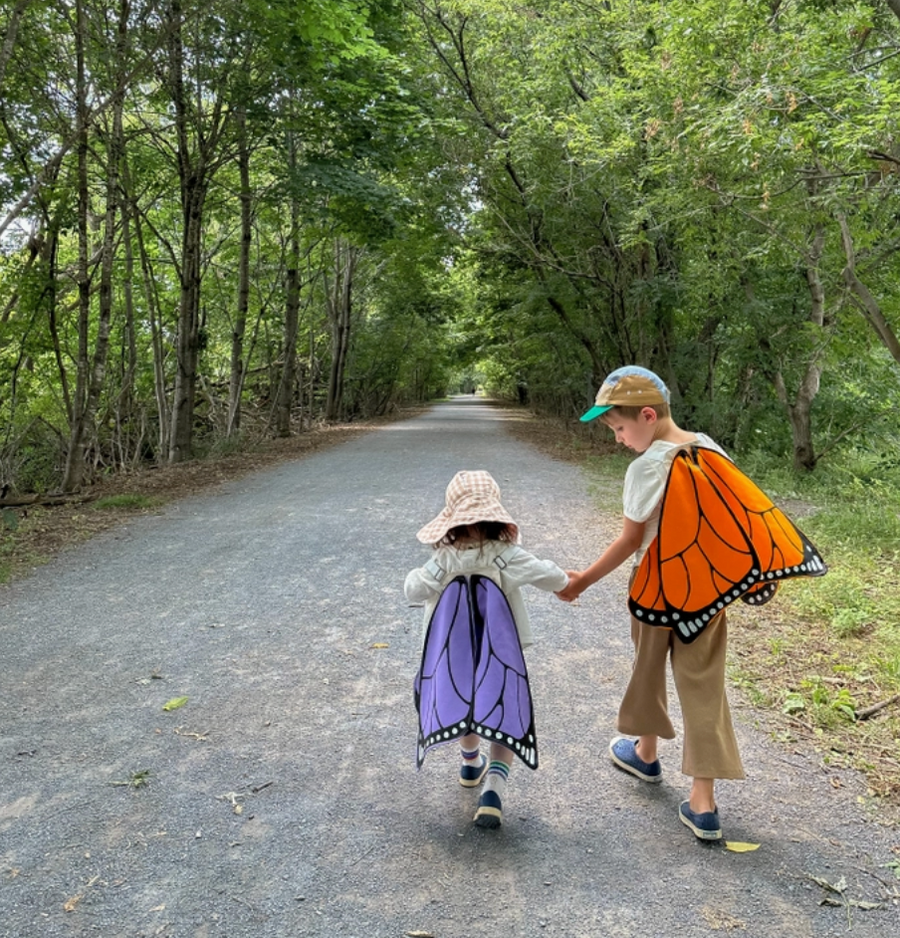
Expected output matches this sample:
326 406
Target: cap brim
595 412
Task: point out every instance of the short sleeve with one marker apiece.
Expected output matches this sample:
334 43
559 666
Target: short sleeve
645 484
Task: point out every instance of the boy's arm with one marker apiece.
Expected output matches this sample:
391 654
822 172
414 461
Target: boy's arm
615 555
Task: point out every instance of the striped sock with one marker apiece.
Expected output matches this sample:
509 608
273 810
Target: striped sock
497 774
470 755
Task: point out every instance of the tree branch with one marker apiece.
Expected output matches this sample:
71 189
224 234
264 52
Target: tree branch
867 303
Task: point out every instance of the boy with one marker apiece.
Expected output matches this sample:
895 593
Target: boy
634 403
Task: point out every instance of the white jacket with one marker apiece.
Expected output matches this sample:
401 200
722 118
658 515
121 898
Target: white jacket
508 565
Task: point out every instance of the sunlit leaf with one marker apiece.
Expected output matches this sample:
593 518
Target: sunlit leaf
175 703
735 846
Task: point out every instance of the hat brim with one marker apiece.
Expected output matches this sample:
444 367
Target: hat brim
435 530
595 412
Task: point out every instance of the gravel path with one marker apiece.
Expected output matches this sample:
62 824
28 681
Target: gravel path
283 798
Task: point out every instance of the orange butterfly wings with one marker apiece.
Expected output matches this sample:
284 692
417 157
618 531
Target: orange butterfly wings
720 538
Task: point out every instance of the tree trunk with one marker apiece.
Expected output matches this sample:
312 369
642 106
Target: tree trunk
799 410
338 301
192 184
9 39
284 397
870 307
97 372
74 470
50 254
199 120
236 381
187 346
125 404
156 325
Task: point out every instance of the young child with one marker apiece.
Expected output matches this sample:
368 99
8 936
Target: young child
634 403
474 536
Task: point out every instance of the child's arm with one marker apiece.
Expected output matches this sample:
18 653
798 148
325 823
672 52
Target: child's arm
424 582
615 555
523 568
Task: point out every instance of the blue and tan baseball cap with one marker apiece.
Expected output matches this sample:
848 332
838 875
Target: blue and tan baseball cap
631 386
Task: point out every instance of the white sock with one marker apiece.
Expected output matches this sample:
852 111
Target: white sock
497 777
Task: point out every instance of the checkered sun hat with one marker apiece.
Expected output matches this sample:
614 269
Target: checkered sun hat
472 496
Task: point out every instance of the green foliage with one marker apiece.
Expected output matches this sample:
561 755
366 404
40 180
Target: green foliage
126 501
587 187
820 703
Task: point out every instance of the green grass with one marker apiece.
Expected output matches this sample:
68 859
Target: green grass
127 501
859 538
606 474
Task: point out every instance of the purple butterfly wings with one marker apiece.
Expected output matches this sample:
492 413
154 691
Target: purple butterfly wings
473 677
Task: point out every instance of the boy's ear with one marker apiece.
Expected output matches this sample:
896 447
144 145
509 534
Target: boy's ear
649 414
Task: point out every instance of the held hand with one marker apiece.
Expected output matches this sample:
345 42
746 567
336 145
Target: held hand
573 588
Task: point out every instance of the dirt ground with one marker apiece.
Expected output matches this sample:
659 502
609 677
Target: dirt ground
41 532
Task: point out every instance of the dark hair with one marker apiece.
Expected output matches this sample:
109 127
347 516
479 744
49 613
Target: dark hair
632 412
481 531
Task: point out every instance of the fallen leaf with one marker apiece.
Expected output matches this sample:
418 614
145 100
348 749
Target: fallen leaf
175 703
158 908
418 934
737 847
386 645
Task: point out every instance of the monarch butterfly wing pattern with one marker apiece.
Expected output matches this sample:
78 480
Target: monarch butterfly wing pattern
760 594
782 549
720 538
676 585
443 689
502 711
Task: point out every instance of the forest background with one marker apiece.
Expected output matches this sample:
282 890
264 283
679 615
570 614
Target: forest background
229 221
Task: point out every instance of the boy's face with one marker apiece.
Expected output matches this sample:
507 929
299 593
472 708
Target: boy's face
636 433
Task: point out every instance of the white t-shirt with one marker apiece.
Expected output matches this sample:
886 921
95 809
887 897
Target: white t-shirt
645 484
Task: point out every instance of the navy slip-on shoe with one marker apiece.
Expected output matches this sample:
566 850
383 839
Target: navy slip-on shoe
624 754
490 810
704 824
470 775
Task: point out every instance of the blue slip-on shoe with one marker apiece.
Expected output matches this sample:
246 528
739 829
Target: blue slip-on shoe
705 824
624 754
471 775
490 810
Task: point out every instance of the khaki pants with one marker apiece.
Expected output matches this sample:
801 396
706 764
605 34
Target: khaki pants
710 746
